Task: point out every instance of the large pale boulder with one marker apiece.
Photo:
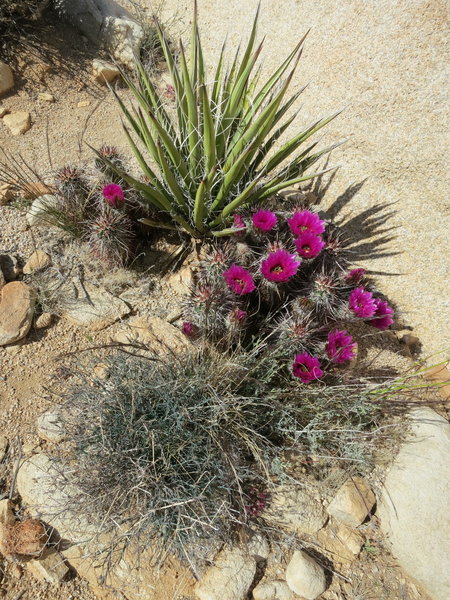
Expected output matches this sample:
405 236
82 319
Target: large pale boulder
413 507
17 302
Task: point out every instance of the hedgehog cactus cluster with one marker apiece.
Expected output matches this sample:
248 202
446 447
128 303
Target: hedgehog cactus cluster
95 206
284 277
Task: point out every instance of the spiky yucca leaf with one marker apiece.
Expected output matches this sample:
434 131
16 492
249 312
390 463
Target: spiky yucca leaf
218 154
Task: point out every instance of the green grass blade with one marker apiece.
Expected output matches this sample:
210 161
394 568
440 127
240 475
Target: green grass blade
171 181
209 133
199 206
172 150
236 203
193 73
231 178
217 86
181 103
154 100
141 161
224 232
266 192
292 145
250 44
157 224
260 127
192 113
274 79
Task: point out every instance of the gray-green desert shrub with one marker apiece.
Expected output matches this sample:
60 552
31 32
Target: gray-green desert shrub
189 448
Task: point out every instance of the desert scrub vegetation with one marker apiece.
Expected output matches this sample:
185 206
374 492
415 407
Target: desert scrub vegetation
218 153
205 150
186 451
13 12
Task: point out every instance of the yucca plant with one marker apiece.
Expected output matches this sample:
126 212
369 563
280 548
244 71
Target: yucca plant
218 154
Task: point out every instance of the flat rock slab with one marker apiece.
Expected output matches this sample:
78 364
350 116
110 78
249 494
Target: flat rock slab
414 504
17 302
155 335
93 307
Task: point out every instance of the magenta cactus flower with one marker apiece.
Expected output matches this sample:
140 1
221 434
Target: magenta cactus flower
279 266
309 245
340 346
265 220
239 280
355 276
303 221
306 367
189 329
238 315
362 303
239 223
113 194
382 318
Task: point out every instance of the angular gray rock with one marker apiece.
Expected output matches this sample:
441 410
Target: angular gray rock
229 578
413 507
50 568
107 23
50 426
305 576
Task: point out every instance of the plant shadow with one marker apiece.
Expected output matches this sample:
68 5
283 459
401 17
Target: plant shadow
370 233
